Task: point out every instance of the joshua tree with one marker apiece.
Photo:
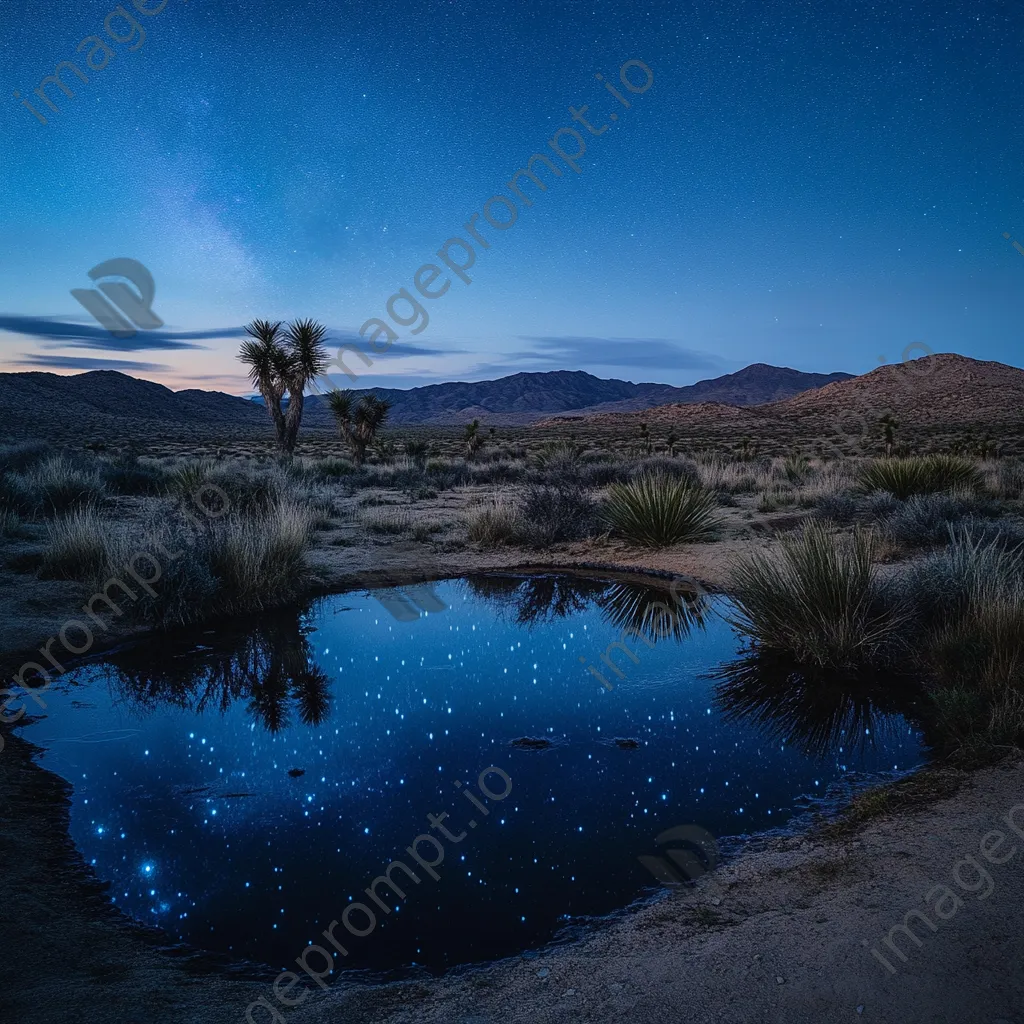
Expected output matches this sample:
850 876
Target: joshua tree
645 438
474 439
673 440
307 359
359 421
284 362
889 425
417 451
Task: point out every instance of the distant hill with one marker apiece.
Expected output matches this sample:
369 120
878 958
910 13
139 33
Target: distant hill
528 397
941 389
105 403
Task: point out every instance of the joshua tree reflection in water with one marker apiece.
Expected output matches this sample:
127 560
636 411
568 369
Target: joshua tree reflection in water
645 611
267 661
815 711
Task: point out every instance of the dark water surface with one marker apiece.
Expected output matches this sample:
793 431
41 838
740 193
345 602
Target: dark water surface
179 751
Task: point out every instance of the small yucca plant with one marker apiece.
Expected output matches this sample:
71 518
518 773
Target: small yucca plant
920 474
655 510
819 600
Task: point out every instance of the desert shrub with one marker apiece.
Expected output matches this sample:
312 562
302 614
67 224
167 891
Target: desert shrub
656 511
186 478
17 457
550 515
262 561
76 545
248 488
221 567
819 601
497 471
734 477
661 465
54 485
1009 479
775 498
839 508
923 520
423 531
559 459
127 475
10 523
920 474
498 522
602 471
388 521
880 505
333 467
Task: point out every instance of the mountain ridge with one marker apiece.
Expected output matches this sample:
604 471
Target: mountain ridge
39 403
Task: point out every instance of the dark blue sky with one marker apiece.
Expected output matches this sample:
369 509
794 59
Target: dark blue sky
810 184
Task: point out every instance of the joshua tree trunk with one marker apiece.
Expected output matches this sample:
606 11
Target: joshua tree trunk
292 420
272 400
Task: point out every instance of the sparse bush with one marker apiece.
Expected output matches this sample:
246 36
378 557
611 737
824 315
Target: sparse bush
671 468
497 523
923 520
551 515
840 508
76 545
819 600
920 474
656 511
262 561
18 457
10 523
53 486
127 475
389 521
252 562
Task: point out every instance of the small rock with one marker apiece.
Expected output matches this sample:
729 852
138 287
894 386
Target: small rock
779 979
569 992
615 987
860 1009
531 743
543 972
716 900
757 956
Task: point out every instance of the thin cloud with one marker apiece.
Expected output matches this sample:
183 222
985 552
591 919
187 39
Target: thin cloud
61 332
86 363
649 353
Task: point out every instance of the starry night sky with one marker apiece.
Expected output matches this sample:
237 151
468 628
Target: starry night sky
811 184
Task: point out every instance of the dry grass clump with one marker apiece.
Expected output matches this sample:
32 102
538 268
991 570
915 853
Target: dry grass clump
387 521
819 600
970 600
178 570
10 523
497 523
656 511
53 485
262 561
76 545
